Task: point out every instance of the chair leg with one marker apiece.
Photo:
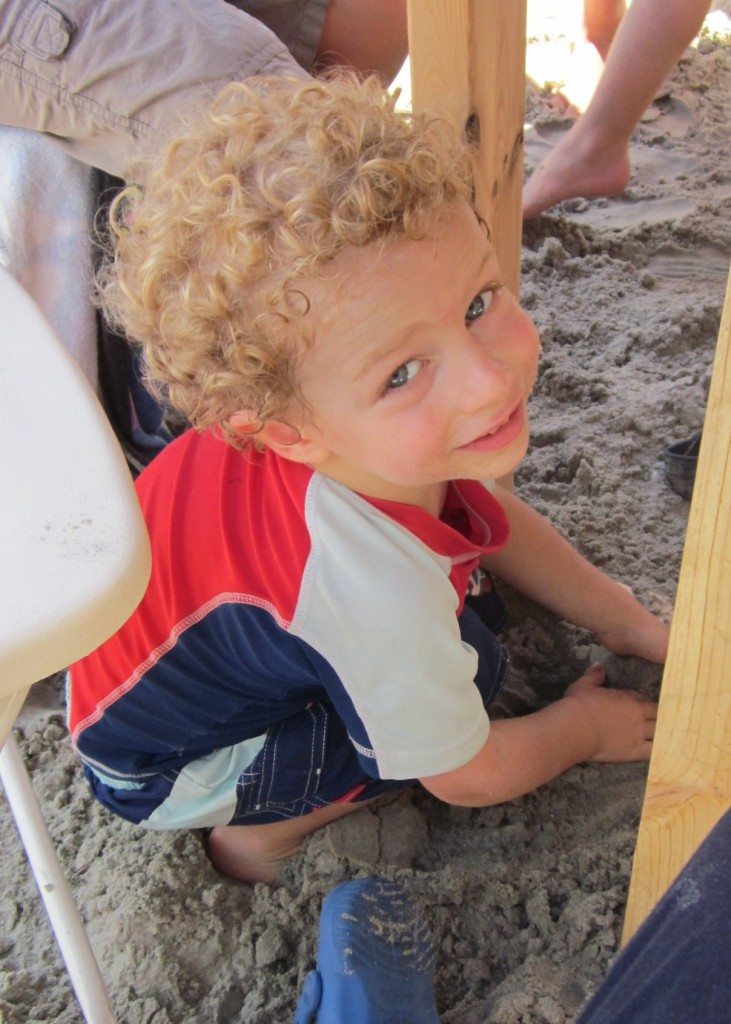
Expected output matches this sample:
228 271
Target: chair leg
64 916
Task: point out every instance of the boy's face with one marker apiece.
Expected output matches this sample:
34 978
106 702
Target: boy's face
420 367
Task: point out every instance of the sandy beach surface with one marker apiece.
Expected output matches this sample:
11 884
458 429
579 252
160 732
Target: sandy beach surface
525 900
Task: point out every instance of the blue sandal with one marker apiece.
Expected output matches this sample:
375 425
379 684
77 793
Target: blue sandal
375 962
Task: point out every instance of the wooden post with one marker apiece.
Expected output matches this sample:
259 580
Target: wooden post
468 64
689 780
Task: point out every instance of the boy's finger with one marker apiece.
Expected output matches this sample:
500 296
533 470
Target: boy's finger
649 723
648 703
595 675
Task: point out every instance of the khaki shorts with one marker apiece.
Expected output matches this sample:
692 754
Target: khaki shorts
110 78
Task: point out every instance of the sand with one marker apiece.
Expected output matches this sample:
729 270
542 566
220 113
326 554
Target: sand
525 900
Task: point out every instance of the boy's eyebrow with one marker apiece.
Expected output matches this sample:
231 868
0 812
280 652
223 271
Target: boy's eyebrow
384 350
381 353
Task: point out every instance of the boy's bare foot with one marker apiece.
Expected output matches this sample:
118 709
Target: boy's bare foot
255 853
238 852
575 169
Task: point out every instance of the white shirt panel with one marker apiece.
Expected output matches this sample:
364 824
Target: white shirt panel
378 605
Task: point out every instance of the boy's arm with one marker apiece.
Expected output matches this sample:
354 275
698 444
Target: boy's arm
589 723
541 564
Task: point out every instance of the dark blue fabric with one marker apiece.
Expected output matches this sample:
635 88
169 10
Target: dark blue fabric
492 656
677 968
307 762
133 804
168 712
137 418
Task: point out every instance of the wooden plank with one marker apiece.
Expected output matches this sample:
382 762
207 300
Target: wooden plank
689 779
468 61
497 75
439 58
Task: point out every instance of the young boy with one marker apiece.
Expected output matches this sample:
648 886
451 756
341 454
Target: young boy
314 291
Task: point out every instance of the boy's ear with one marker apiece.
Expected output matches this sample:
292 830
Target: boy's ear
279 435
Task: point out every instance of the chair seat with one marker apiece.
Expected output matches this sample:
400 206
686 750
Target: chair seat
74 557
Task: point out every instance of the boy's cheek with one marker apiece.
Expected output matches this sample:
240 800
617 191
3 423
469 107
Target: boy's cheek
534 343
529 352
525 338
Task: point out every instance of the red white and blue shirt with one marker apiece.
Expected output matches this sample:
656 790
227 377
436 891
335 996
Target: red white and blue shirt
274 586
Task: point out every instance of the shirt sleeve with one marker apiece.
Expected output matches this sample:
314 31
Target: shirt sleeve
377 605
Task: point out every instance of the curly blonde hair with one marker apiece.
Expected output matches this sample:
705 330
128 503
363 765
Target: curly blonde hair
269 185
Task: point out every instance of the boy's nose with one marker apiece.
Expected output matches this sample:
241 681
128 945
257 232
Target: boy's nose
480 376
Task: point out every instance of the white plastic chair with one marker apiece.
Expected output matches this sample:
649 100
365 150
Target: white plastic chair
74 563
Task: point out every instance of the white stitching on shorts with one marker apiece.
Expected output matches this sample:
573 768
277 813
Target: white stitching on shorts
312 751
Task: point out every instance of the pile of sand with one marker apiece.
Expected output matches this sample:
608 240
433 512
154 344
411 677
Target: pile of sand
525 900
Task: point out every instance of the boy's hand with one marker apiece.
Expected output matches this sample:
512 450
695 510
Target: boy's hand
645 636
589 723
622 721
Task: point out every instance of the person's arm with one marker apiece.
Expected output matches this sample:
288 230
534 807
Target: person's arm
541 564
589 723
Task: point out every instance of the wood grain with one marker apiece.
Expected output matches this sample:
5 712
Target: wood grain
689 778
468 65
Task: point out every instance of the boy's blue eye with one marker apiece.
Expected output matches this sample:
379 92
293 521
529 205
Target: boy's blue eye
403 375
475 309
480 303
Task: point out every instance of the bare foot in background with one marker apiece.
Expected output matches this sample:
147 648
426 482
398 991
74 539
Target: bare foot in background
593 159
576 167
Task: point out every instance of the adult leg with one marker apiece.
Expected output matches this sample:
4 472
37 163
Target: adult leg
109 80
593 158
370 37
677 968
154 61
255 853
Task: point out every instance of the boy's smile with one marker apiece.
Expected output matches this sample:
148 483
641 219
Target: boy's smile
420 366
